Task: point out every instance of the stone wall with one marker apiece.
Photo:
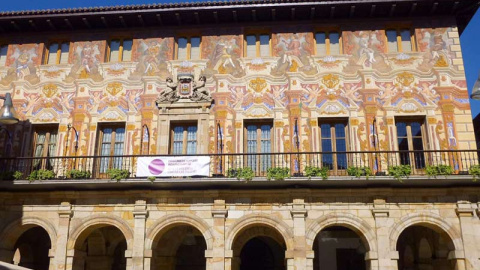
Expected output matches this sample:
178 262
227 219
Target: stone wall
226 219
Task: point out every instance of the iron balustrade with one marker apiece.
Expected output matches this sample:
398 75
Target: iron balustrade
220 164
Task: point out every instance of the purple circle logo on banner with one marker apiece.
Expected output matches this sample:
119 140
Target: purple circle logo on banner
156 166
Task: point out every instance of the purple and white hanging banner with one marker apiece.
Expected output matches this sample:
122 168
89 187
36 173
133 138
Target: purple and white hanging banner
173 166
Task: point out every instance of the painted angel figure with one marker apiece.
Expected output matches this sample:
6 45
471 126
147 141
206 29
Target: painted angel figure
152 60
291 46
88 56
23 59
365 41
224 57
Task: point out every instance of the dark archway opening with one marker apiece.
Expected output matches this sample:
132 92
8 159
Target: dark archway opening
422 248
179 248
339 248
262 253
103 249
31 249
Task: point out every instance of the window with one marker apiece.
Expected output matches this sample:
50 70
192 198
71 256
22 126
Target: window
258 140
333 137
57 53
327 43
111 140
399 40
410 137
257 45
184 139
120 50
44 146
188 48
3 55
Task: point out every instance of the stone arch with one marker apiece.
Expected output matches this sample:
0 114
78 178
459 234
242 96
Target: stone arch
259 220
428 220
171 220
16 228
87 225
356 224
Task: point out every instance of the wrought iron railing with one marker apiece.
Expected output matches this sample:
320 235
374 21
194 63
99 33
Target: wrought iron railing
378 162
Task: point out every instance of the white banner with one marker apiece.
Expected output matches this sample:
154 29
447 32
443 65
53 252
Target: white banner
173 166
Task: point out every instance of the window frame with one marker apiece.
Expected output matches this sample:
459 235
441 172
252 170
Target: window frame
100 134
189 47
333 138
48 129
185 125
257 35
423 128
261 162
4 44
59 51
120 49
399 30
327 32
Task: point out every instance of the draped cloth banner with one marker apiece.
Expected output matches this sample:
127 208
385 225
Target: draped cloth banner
173 166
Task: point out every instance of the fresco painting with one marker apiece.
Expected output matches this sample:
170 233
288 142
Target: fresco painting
86 58
294 50
22 62
223 54
152 55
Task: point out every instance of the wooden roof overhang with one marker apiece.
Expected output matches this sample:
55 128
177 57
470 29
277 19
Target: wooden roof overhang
230 12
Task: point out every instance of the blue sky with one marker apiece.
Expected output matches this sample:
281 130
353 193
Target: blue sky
470 40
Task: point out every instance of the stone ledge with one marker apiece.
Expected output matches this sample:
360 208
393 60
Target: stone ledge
227 183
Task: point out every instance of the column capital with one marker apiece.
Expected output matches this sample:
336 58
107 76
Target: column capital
148 253
371 255
140 209
380 213
299 213
220 213
464 209
65 210
456 254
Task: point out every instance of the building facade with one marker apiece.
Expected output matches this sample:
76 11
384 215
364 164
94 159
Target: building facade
250 84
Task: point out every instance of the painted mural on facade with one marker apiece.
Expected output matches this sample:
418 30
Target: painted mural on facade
22 62
223 54
86 58
152 55
294 51
361 84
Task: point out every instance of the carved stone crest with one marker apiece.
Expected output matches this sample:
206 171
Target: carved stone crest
185 89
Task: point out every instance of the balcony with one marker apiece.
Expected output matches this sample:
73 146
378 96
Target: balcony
262 170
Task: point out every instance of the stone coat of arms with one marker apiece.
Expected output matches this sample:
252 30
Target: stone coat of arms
186 88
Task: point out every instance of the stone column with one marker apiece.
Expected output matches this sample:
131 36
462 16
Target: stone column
60 253
231 263
458 259
299 255
140 215
470 234
216 256
384 259
78 256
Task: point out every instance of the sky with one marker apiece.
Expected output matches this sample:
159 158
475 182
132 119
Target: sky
469 40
